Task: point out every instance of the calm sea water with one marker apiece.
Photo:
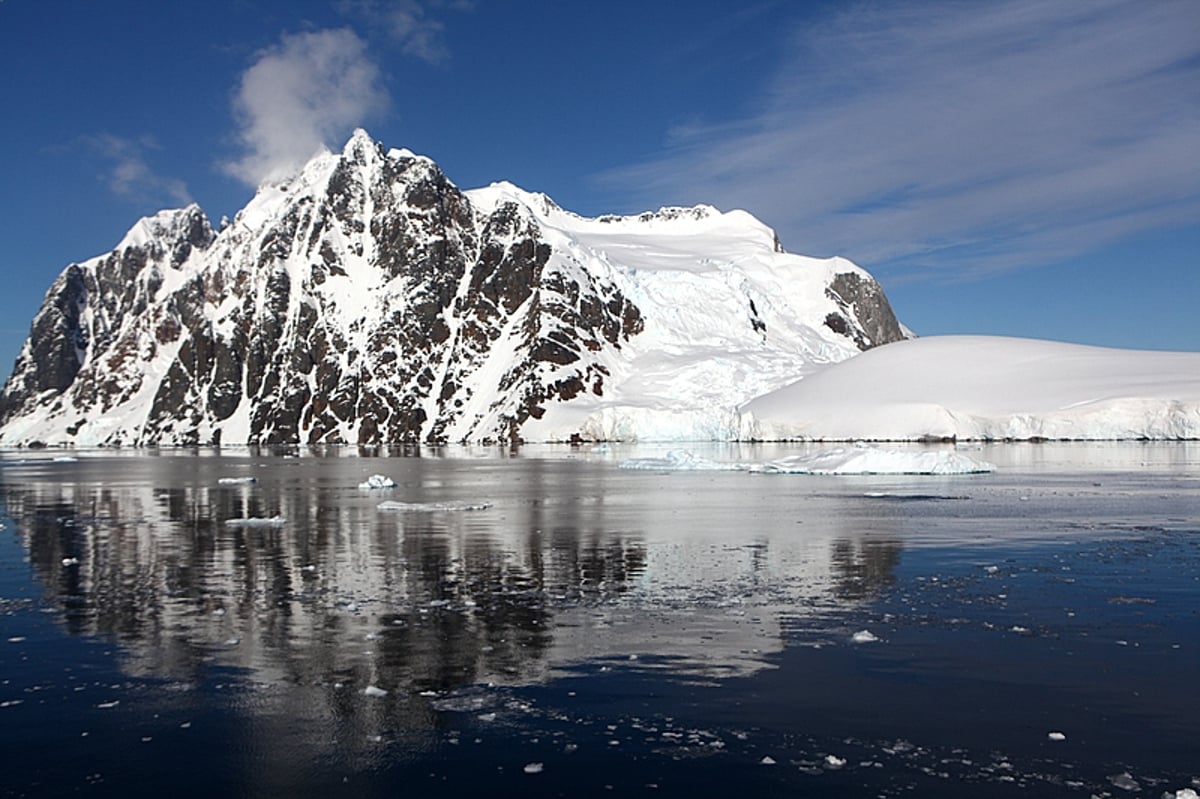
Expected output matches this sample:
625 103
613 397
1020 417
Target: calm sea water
596 631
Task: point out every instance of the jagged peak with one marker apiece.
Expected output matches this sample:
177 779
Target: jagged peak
168 224
488 198
360 146
361 142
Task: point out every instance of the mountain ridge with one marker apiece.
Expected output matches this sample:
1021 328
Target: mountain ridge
369 300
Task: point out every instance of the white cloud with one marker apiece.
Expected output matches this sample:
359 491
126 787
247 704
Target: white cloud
129 174
409 24
306 93
961 136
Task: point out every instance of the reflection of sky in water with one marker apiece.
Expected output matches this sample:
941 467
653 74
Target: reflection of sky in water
576 569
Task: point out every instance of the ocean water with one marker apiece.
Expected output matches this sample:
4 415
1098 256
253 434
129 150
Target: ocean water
541 622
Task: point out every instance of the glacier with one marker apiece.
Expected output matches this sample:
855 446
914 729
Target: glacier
986 388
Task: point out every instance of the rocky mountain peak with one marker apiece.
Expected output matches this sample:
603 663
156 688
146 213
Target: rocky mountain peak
369 300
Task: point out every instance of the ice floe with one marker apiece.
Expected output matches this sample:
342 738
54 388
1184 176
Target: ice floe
873 460
257 521
864 637
377 481
683 462
432 506
832 461
235 481
374 690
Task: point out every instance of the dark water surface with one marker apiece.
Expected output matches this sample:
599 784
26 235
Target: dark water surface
598 631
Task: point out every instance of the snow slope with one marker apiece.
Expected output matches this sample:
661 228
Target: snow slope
984 387
728 316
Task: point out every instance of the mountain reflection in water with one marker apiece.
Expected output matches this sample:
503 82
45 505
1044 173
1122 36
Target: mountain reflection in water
574 562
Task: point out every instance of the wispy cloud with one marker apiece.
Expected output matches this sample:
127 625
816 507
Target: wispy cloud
128 173
961 138
300 96
409 23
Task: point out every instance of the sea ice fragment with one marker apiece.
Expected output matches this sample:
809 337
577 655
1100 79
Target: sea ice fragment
1125 782
272 521
433 506
377 481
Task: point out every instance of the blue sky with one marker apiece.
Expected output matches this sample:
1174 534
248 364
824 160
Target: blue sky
1011 167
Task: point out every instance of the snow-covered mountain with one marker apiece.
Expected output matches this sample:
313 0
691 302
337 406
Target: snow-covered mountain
369 300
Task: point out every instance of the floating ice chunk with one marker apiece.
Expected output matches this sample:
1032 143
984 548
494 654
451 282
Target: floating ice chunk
1056 736
682 462
767 760
432 506
236 481
833 761
270 521
1183 793
16 639
864 637
70 561
66 459
374 690
377 481
107 705
534 768
1125 782
872 460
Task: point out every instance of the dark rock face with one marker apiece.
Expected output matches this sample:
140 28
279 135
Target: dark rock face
862 300
261 335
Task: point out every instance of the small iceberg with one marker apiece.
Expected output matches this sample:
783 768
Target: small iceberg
271 521
377 481
236 481
682 462
872 460
433 506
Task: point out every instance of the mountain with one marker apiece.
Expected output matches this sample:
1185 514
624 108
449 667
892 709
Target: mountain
369 300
